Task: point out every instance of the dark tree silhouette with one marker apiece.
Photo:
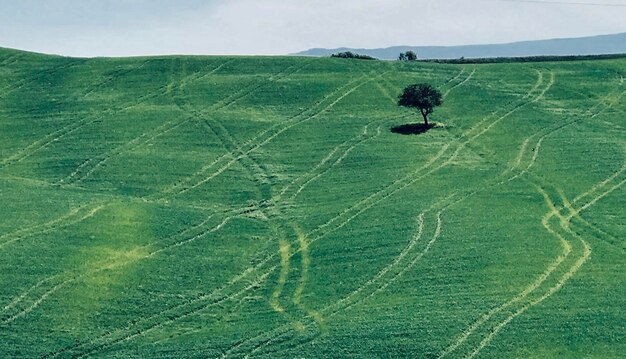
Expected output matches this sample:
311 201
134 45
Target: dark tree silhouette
423 97
408 56
351 55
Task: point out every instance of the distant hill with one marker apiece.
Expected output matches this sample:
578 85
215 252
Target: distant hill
595 45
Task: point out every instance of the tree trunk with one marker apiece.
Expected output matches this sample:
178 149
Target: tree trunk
425 118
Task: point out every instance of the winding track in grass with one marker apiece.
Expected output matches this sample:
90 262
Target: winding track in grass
65 281
565 244
271 209
202 300
545 131
354 211
73 126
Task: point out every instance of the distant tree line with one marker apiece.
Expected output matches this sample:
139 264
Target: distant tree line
495 60
412 56
352 55
407 56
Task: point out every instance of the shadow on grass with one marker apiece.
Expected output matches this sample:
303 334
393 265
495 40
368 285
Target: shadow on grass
412 128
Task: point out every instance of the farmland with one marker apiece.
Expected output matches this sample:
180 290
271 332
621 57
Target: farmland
262 206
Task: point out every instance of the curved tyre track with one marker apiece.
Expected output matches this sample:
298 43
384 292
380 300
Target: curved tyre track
70 128
75 215
89 166
156 321
348 215
572 245
203 176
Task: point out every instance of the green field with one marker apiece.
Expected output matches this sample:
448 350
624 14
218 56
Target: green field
262 206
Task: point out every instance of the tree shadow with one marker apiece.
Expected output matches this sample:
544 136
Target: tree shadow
412 128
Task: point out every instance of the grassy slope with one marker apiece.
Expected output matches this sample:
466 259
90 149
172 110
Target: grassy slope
183 206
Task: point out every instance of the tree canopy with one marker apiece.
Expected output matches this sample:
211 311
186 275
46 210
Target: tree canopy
423 97
408 56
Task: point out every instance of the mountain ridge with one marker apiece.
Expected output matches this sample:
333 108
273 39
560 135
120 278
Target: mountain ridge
591 45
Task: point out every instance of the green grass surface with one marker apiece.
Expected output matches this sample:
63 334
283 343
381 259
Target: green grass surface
215 206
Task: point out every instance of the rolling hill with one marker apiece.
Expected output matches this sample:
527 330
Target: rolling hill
593 45
262 206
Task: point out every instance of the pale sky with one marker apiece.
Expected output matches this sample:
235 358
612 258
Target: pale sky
212 27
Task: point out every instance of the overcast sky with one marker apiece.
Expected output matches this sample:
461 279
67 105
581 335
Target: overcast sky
145 27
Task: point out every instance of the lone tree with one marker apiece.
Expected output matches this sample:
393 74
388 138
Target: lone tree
423 96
